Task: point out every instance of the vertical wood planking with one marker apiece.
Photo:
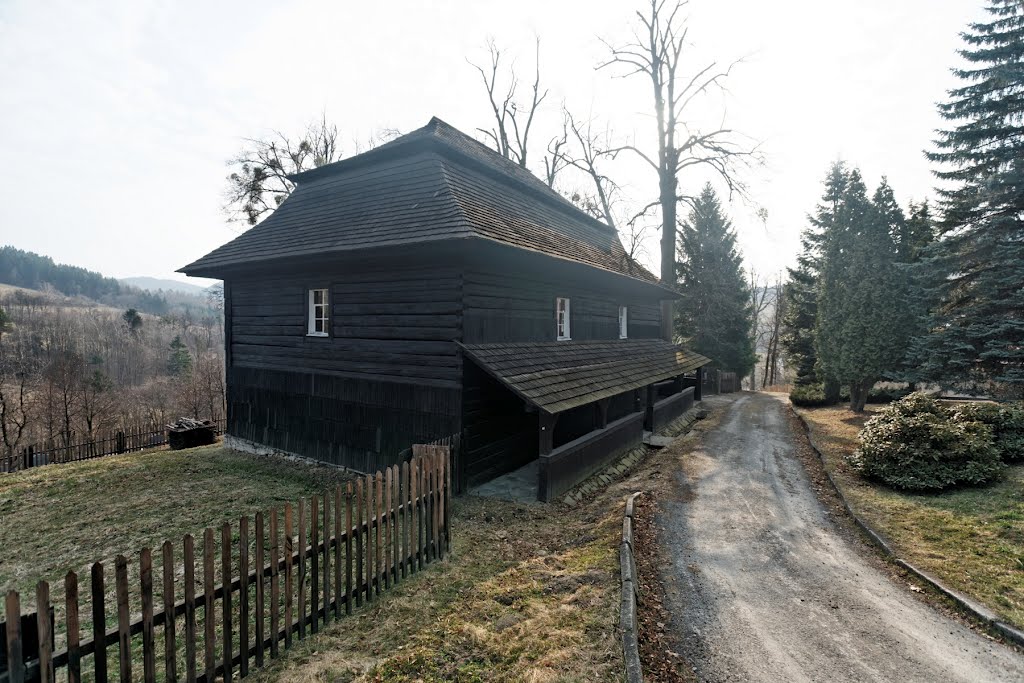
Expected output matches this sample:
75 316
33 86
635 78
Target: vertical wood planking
448 502
396 497
348 548
261 569
275 590
289 551
326 560
406 518
314 563
74 636
337 551
190 608
420 511
378 518
170 637
99 622
43 632
15 656
369 538
301 574
243 597
208 615
123 618
148 638
359 543
227 633
388 518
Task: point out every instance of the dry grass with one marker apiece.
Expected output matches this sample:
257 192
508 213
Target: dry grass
65 517
971 538
530 593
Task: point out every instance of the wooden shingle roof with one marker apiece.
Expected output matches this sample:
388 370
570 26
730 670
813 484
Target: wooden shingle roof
433 184
557 376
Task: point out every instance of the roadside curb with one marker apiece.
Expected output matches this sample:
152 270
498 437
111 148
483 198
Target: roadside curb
630 593
976 610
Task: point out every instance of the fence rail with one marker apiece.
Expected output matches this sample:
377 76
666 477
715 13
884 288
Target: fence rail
113 442
385 528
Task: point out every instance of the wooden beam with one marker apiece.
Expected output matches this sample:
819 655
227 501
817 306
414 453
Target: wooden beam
602 412
546 432
649 408
696 388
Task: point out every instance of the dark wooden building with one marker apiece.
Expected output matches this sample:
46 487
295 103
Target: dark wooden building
430 290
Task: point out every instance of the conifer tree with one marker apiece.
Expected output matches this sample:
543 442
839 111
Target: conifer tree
977 332
861 319
714 314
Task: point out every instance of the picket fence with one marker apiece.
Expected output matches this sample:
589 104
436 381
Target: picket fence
112 442
386 527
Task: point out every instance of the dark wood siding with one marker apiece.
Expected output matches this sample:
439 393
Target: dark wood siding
498 434
513 308
389 374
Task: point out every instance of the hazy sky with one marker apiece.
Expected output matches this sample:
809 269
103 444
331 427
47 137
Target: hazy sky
116 118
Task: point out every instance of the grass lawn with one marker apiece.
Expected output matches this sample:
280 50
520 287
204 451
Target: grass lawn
529 592
971 538
65 517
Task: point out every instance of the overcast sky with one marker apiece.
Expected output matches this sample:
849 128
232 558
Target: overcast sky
116 118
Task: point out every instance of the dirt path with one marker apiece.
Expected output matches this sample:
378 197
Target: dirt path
763 586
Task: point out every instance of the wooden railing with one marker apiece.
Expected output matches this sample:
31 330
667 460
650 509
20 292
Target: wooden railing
113 442
386 527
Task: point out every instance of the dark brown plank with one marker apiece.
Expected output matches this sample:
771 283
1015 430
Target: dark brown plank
448 501
396 497
289 551
348 548
190 608
326 560
338 595
148 639
388 519
406 518
74 635
260 583
170 637
243 597
420 511
359 542
99 622
370 525
15 656
209 633
378 520
314 563
227 630
43 632
301 575
123 618
275 588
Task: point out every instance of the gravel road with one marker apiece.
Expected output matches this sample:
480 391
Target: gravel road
764 587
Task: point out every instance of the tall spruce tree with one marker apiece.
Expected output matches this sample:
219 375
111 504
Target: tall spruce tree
977 330
861 323
714 315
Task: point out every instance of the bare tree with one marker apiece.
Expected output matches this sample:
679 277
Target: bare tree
259 182
17 379
657 53
760 299
512 121
772 356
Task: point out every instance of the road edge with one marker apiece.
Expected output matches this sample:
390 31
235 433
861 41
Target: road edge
627 609
976 610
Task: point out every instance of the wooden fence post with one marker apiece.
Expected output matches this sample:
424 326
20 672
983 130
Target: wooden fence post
99 622
15 657
73 633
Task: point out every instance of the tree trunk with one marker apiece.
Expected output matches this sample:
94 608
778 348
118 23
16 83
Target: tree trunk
859 394
667 183
831 387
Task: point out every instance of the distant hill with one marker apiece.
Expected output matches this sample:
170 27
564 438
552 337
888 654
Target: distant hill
154 284
33 271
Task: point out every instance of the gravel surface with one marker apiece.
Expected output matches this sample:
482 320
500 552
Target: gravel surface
763 586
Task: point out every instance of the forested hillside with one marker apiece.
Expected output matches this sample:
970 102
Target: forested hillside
33 271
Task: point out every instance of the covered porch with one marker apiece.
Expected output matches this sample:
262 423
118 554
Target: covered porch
586 402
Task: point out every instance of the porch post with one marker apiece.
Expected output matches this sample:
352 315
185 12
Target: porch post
700 380
602 413
649 409
546 433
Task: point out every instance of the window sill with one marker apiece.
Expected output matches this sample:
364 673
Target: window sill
563 338
317 334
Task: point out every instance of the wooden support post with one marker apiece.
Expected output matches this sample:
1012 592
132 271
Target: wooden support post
649 408
546 431
697 385
602 412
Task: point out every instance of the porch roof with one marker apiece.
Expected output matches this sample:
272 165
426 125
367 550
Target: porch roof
557 376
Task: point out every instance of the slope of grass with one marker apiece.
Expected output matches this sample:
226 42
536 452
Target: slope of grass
971 538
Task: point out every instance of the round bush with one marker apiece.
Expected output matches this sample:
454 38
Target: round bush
916 444
1006 421
807 396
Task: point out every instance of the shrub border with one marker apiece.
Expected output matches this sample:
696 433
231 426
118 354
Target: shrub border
630 593
974 609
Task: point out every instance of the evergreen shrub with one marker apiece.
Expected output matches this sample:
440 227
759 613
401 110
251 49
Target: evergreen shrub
808 396
917 444
1006 421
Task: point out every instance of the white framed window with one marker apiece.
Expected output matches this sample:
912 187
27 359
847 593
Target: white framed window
318 316
562 319
623 322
